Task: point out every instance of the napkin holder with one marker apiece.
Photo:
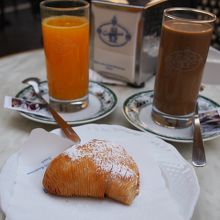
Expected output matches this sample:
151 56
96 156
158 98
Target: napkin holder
125 38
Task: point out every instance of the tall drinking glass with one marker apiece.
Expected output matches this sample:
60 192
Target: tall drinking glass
185 39
65 28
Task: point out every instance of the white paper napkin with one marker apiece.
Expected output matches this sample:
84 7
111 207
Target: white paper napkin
25 198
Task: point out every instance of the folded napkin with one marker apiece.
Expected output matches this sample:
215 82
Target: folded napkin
22 196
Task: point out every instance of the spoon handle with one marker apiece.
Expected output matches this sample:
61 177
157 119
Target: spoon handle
66 128
198 154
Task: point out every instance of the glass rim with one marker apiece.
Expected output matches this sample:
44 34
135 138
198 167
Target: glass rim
202 12
60 8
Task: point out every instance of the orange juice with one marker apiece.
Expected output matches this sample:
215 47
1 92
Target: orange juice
66 46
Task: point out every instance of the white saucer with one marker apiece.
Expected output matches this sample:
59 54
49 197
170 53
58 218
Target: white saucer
137 110
102 101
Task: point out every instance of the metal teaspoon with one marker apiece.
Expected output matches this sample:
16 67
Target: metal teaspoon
66 128
198 153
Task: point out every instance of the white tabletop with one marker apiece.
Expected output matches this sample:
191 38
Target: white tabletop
14 129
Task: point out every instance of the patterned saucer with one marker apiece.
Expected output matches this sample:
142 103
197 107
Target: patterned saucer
137 110
102 101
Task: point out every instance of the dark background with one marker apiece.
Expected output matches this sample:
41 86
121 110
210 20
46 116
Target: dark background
20 28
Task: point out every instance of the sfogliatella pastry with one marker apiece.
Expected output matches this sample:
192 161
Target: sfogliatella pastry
96 169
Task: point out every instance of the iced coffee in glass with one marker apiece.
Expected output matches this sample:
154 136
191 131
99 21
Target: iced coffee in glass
185 39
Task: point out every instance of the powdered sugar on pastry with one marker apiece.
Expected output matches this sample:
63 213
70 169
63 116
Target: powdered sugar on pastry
98 168
108 156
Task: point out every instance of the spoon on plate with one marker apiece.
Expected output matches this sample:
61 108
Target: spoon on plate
198 153
66 128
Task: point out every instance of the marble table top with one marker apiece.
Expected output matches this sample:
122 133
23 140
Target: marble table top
14 129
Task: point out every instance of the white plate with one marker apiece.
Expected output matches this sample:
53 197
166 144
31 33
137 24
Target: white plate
168 185
137 110
102 101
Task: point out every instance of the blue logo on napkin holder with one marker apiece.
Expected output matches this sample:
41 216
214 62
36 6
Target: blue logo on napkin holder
113 34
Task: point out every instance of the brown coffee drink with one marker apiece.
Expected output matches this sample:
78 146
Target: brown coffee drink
185 39
183 52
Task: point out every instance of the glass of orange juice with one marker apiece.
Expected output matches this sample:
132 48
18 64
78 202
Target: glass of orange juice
65 29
